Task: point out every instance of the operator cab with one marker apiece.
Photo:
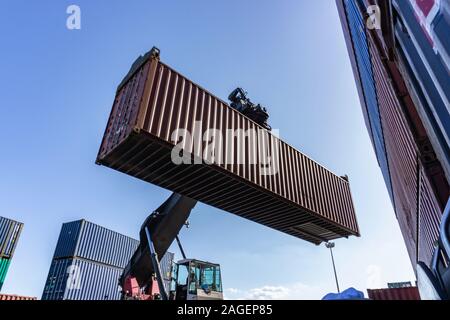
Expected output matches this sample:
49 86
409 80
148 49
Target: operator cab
196 280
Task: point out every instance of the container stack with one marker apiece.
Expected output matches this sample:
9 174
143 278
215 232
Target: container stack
9 235
401 71
88 262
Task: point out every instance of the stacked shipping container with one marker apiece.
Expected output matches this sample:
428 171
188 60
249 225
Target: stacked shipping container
166 264
88 262
407 293
9 235
363 60
414 176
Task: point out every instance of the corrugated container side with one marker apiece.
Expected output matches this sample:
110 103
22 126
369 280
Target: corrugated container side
89 241
68 239
166 269
9 235
401 153
417 180
352 56
166 265
87 263
56 283
320 210
102 245
415 168
382 9
356 25
411 293
78 279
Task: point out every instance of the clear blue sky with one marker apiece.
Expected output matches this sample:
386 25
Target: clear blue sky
57 87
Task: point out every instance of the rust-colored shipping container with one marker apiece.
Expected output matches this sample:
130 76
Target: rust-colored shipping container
401 154
414 175
416 205
230 162
4 297
408 293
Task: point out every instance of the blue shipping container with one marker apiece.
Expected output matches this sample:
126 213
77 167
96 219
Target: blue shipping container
88 262
78 279
357 29
9 235
89 241
166 264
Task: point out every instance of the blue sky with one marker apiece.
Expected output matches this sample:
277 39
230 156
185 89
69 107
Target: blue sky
57 88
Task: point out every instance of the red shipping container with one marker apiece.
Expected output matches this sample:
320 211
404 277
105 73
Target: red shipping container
409 293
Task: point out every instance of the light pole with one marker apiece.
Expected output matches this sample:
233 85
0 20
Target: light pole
330 245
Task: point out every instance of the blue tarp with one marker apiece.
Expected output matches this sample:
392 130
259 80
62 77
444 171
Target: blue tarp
349 294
